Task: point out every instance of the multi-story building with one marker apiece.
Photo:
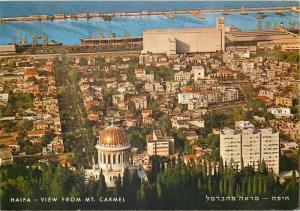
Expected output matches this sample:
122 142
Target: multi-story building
6 157
250 146
269 142
159 144
182 76
284 101
172 86
198 72
281 112
230 146
187 40
140 102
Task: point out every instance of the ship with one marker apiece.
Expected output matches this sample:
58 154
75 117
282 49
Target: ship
280 13
261 16
243 12
54 43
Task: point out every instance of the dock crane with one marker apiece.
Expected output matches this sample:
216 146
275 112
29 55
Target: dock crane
101 32
34 38
44 36
259 26
23 41
34 41
111 32
45 39
126 33
268 25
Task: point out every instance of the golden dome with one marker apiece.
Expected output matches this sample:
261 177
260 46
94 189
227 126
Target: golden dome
113 137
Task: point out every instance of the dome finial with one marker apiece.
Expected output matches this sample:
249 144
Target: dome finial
112 122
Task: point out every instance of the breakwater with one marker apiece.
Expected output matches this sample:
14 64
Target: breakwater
108 16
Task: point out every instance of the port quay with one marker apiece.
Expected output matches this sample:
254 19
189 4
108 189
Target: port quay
169 14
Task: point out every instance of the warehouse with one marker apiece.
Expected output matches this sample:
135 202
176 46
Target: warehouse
187 40
7 49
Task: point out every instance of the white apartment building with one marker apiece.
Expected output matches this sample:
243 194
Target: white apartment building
140 102
198 72
250 145
182 76
172 86
159 144
281 112
197 104
270 148
230 146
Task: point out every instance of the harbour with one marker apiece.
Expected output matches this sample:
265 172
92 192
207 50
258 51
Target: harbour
108 16
86 26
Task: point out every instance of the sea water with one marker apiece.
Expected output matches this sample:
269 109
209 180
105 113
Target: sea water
69 31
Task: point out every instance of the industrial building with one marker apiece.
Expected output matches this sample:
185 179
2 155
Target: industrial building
187 40
7 49
111 40
239 36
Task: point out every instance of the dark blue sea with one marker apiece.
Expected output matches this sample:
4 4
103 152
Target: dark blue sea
69 31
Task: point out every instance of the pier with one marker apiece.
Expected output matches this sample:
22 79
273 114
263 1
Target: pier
169 14
197 14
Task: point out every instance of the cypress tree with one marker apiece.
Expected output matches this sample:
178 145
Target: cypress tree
225 186
118 186
242 164
230 187
243 186
265 186
260 185
142 195
249 186
205 168
74 192
158 187
254 189
199 184
294 181
215 168
220 167
209 185
221 186
102 185
162 166
263 167
56 184
126 182
135 181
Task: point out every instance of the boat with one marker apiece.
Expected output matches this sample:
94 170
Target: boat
54 43
280 13
225 13
261 16
243 12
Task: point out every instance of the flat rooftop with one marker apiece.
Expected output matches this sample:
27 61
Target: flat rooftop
7 48
240 36
180 30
